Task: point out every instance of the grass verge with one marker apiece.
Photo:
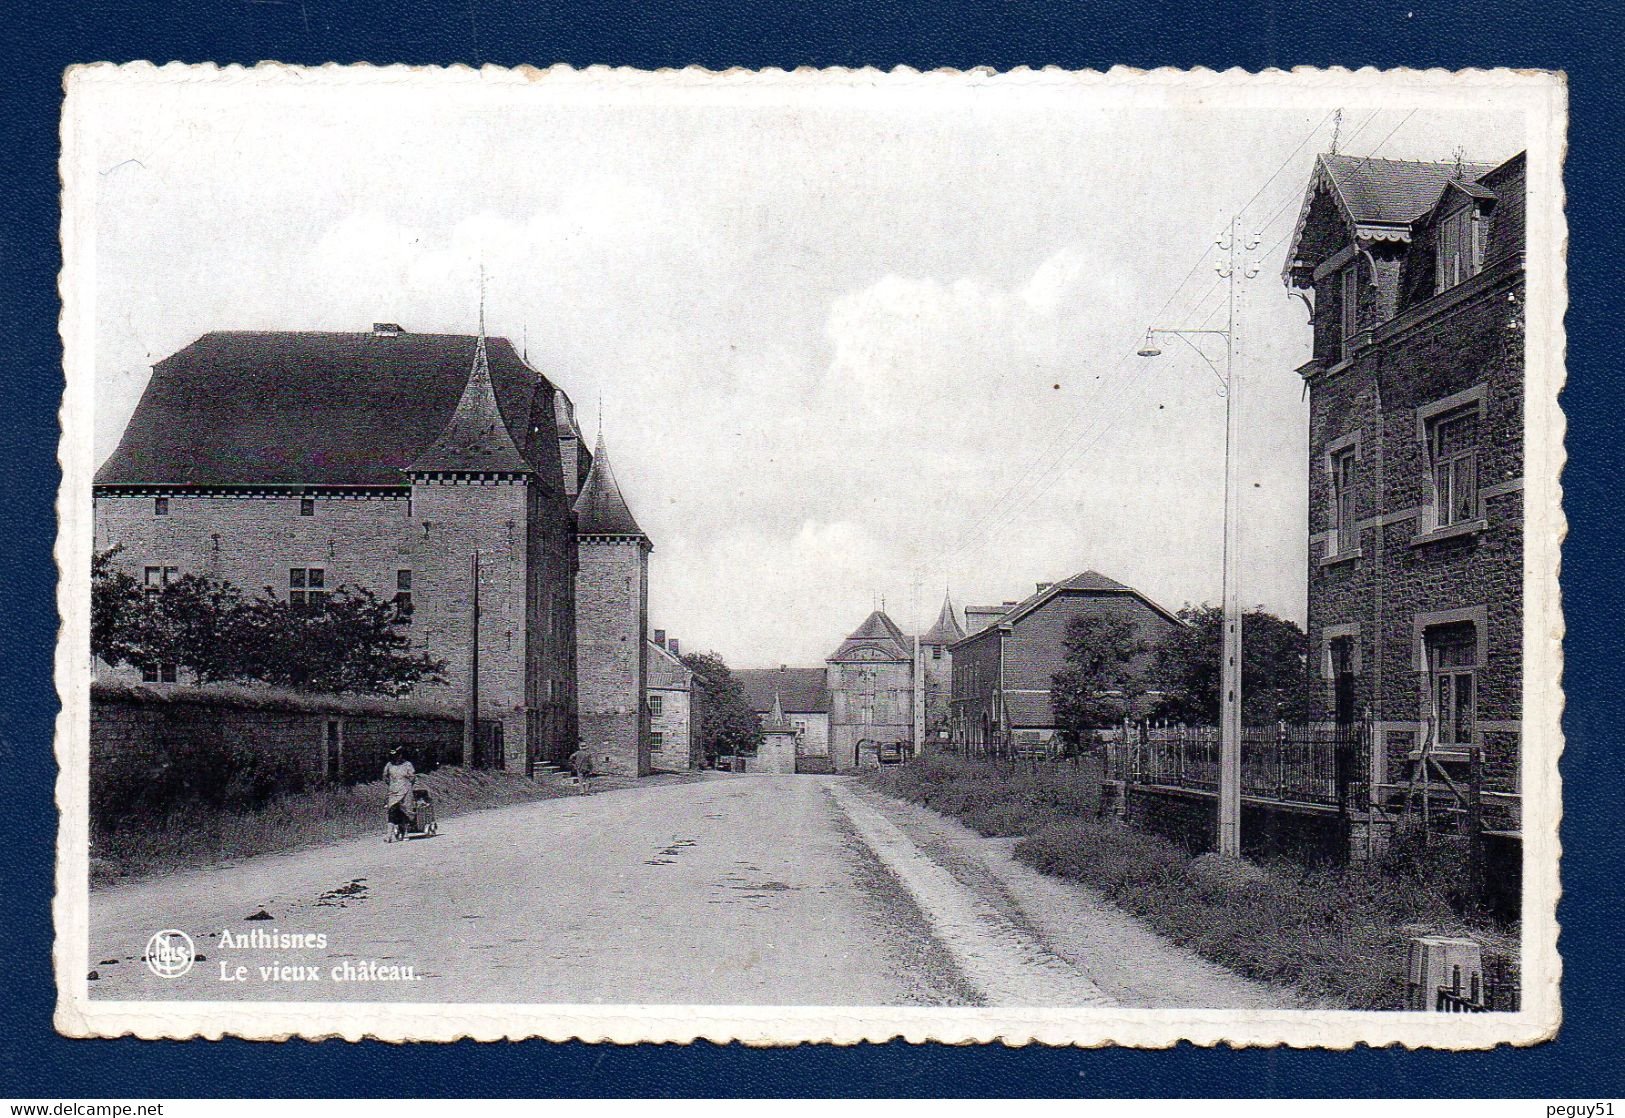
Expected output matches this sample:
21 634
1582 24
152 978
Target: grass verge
1336 934
199 836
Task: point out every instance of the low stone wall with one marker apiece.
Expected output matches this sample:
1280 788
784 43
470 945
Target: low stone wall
1190 819
152 750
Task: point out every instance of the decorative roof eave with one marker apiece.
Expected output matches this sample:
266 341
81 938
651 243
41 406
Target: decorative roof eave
1320 180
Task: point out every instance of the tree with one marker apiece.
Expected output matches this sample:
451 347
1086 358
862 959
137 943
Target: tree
727 724
1101 681
1274 673
353 641
115 605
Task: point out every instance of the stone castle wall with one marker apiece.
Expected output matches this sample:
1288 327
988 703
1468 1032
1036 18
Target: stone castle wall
431 530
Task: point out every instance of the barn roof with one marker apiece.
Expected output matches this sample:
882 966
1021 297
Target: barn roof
1085 582
308 408
801 690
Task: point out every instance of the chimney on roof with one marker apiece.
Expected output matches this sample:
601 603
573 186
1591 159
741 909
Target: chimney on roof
1043 586
784 667
671 647
660 637
387 330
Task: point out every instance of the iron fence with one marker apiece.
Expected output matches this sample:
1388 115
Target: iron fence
1316 763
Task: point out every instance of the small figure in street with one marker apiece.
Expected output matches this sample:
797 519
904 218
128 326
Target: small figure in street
401 778
581 764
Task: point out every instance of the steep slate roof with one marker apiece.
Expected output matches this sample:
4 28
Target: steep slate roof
475 438
601 510
947 629
667 672
802 690
307 408
1378 198
1086 581
880 633
1391 191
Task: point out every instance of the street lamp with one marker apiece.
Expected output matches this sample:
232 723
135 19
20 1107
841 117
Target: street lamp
1230 683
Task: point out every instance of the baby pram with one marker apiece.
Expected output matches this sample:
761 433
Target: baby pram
422 821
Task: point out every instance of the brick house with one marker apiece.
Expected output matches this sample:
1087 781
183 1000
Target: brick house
1414 276
672 733
296 463
1002 672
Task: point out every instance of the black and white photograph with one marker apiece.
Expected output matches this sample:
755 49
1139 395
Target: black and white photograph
821 556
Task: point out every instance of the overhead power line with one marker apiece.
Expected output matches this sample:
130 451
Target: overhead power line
1046 462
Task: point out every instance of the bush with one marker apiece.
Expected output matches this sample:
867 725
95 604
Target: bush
130 790
1337 934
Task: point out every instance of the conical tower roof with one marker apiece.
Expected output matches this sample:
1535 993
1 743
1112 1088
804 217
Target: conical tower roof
947 630
601 510
475 438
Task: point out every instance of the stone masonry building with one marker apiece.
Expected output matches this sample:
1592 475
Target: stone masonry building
612 625
802 696
873 699
297 463
1414 277
673 736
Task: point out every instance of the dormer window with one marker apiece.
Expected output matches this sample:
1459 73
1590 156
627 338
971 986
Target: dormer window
1348 306
1460 250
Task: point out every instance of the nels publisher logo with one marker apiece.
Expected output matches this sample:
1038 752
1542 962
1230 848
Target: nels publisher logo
170 953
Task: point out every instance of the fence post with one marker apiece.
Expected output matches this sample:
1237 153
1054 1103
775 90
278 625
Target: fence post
1280 760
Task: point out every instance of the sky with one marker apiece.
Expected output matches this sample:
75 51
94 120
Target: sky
849 342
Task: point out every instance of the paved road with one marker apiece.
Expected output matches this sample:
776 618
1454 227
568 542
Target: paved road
735 890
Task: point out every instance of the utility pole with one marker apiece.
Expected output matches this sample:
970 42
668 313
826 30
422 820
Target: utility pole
1236 269
471 715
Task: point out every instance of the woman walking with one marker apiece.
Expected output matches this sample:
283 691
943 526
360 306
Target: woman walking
401 778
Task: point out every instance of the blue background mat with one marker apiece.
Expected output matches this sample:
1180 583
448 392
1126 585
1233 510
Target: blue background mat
39 41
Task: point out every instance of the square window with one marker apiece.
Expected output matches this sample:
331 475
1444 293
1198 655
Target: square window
657 740
160 506
306 586
307 506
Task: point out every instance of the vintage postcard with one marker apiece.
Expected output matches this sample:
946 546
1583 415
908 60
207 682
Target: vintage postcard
811 557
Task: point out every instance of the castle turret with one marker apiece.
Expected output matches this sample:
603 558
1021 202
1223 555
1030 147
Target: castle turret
612 621
937 673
